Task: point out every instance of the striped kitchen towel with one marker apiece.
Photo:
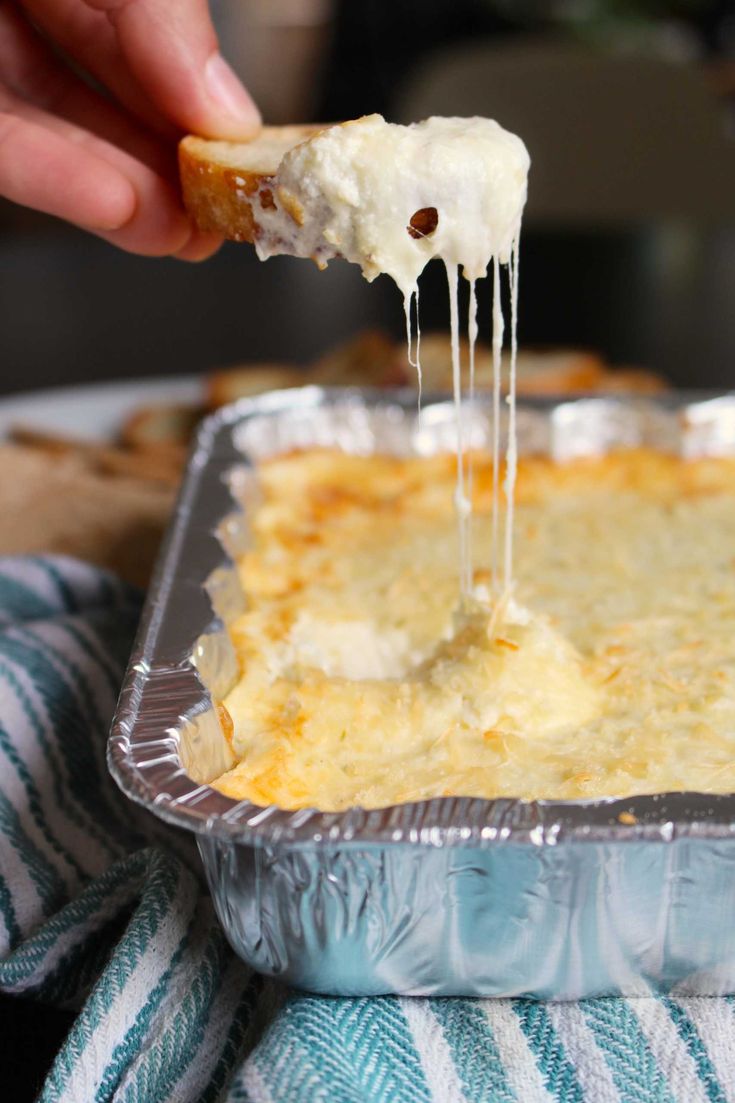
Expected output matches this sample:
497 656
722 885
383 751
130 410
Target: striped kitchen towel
102 909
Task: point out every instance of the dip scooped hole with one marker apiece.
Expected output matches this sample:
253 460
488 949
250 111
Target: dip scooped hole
423 222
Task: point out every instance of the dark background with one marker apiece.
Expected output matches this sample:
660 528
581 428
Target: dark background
629 239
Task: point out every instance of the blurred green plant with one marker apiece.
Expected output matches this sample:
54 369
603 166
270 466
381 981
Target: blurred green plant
625 23
593 11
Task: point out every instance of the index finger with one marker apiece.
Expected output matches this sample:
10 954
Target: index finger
172 51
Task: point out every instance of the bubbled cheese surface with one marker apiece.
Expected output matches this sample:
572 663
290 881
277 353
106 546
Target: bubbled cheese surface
611 671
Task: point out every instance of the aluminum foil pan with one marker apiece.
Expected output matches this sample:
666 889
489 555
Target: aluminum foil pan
448 896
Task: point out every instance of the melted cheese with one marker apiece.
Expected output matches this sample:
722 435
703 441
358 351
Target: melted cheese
351 191
354 190
362 684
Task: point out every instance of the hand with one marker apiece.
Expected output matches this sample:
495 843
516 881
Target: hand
93 96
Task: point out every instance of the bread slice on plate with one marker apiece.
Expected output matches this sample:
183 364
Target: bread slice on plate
225 184
52 502
369 359
160 427
242 380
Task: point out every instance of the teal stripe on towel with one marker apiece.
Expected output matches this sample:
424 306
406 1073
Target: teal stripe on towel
85 913
21 603
36 728
10 919
695 1045
555 1067
74 675
475 1055
315 1041
632 1065
136 1036
161 884
242 1021
112 670
63 586
178 1042
35 803
85 782
48 883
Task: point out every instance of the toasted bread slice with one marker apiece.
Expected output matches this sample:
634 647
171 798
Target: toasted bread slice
558 371
53 502
155 463
162 427
633 381
553 371
541 372
371 359
224 184
242 380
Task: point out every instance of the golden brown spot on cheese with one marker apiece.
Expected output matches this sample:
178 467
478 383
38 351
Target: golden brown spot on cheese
358 686
225 721
291 205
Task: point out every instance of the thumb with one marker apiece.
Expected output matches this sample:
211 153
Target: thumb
172 51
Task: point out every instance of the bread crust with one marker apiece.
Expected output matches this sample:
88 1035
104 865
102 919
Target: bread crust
224 198
228 384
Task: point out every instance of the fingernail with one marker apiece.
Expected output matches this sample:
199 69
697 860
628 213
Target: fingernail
226 89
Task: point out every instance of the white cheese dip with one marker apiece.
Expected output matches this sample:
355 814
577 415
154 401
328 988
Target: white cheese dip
391 198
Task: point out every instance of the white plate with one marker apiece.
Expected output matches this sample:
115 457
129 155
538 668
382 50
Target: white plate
94 411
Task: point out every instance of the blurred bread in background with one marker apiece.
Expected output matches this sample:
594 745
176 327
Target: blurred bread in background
228 384
56 502
109 502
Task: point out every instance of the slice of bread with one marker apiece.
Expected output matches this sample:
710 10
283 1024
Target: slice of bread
160 427
539 371
370 359
225 184
242 380
158 463
633 381
553 371
52 502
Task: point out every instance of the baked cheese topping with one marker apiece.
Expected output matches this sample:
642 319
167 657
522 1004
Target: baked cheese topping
362 684
390 198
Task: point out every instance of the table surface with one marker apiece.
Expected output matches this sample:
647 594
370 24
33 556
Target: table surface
94 411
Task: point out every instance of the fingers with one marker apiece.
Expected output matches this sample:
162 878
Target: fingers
34 73
200 246
71 153
170 51
67 150
54 166
89 38
43 170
